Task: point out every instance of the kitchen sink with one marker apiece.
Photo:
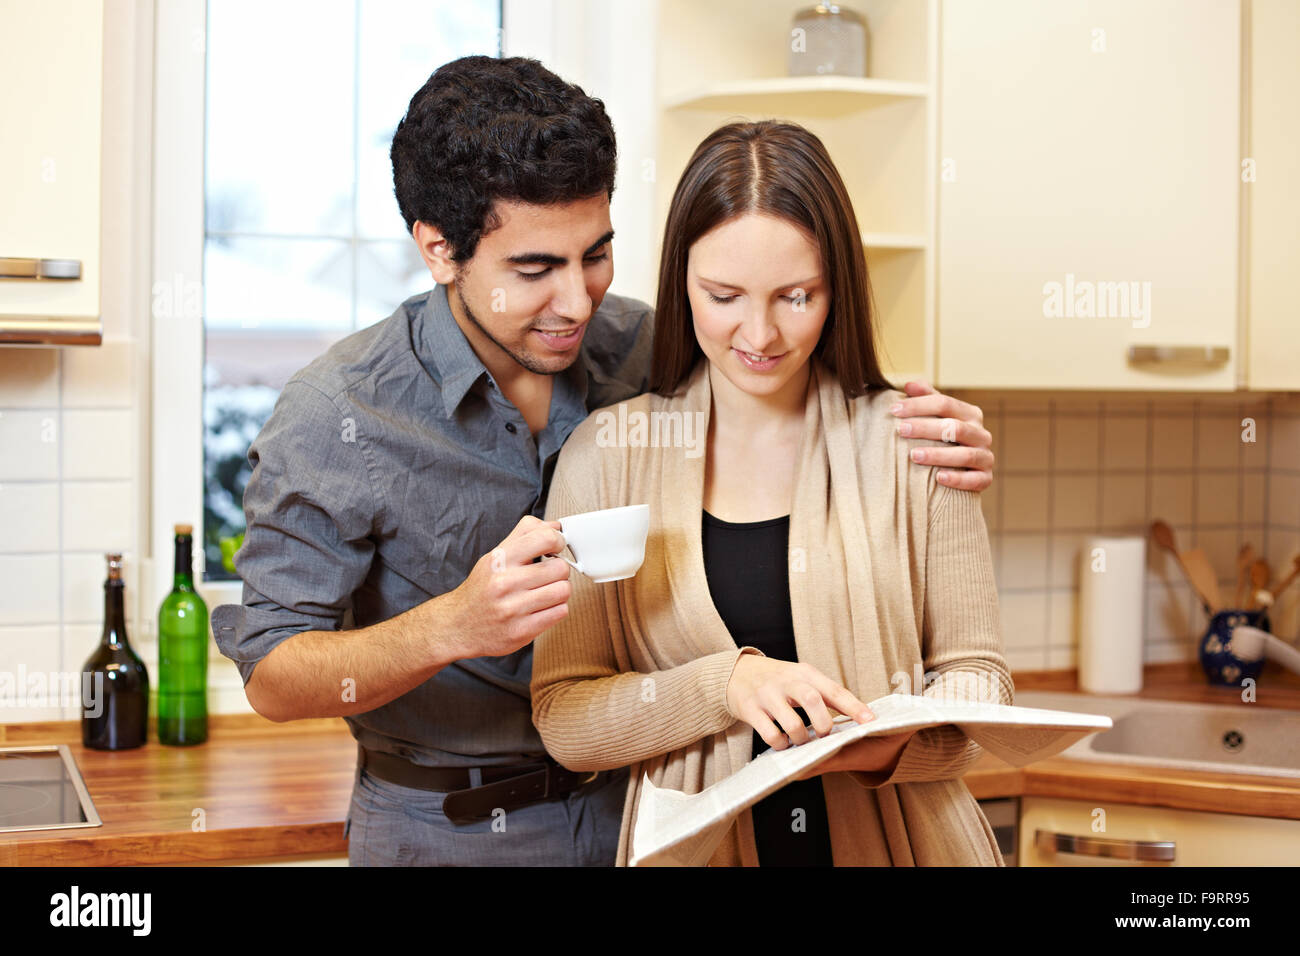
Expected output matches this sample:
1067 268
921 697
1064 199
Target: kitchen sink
1226 738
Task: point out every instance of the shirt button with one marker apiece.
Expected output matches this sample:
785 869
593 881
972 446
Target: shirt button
510 427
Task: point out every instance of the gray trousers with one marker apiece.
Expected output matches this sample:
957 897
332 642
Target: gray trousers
391 825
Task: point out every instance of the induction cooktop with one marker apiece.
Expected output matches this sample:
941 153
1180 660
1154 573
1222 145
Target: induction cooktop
41 789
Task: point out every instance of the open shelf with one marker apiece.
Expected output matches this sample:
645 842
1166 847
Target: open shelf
727 60
799 94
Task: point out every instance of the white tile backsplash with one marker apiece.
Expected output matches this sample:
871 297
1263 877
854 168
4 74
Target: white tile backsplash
1062 617
1024 619
1284 500
1074 502
1024 443
1070 466
29 589
1024 501
30 673
1285 447
1217 500
1171 441
1254 454
29 445
99 378
97 443
1218 441
29 378
1171 498
29 516
1254 497
1123 503
1062 658
98 515
1063 549
1076 442
1124 443
1024 561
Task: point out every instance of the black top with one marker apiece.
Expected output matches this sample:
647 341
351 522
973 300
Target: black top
747 570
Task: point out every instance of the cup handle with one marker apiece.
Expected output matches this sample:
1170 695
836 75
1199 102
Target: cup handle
573 564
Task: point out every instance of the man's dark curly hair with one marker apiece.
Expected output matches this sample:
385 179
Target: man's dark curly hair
483 129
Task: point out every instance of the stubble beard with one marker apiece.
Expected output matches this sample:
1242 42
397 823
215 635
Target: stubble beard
521 357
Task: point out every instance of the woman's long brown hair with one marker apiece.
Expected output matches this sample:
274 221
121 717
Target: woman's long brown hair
782 170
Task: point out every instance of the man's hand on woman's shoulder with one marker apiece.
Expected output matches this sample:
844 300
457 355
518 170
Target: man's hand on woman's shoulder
926 413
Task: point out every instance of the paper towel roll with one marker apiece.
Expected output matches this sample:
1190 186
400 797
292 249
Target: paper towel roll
1112 582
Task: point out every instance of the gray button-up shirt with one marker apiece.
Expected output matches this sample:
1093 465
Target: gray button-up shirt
388 467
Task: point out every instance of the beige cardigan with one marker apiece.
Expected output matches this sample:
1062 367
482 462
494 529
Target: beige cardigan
890 575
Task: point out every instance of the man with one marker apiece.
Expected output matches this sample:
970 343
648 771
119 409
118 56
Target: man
390 563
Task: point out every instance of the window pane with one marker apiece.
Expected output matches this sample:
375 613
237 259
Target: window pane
387 274
402 42
277 284
279 116
302 102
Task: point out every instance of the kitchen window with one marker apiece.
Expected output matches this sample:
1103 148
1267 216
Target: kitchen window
266 251
303 241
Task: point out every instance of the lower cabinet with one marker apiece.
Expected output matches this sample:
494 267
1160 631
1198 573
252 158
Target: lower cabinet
1077 832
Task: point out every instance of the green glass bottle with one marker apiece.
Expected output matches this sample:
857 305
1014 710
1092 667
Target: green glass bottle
183 654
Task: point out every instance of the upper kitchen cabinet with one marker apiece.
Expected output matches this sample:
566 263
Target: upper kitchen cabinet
732 63
50 63
1272 192
1089 194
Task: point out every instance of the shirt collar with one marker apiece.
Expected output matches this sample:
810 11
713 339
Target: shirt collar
459 368
447 349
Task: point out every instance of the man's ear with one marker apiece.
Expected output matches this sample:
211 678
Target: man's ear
436 252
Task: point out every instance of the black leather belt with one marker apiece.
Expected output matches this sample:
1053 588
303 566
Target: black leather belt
503 788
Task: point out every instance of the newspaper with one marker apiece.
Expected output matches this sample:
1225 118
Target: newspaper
678 829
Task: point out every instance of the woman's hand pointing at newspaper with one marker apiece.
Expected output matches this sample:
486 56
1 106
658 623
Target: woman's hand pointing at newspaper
764 692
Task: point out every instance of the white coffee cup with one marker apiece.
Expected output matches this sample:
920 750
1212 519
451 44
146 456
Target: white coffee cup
607 545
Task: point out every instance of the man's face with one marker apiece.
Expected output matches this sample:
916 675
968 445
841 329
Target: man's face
535 281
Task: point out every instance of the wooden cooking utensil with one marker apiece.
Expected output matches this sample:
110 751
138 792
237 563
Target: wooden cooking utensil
1259 577
1245 557
1282 585
1164 536
1201 574
1207 588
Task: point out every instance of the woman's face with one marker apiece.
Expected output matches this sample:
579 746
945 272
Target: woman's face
759 301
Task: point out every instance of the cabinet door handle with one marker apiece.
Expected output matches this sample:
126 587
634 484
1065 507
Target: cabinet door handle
40 268
1182 354
1095 846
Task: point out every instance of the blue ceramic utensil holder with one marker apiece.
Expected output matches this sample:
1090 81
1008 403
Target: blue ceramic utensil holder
1220 664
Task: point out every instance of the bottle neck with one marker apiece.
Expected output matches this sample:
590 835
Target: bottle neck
114 614
183 574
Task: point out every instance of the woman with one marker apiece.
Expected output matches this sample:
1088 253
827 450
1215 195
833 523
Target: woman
800 564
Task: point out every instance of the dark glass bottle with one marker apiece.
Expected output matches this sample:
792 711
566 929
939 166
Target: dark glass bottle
183 653
114 684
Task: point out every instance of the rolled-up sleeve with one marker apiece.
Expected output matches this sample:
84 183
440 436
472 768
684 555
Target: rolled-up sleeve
310 511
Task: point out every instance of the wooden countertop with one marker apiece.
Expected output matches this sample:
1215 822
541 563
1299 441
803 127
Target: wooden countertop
266 790
271 790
